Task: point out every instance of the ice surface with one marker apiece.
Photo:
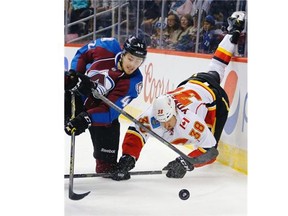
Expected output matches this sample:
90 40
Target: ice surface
215 190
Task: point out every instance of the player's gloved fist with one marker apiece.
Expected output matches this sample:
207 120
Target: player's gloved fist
71 79
86 86
78 124
178 168
125 164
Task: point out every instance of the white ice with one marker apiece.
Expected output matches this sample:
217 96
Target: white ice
215 190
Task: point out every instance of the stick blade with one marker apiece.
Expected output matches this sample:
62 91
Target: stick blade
75 196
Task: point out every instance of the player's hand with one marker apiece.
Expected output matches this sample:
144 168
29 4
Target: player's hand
78 124
86 85
125 164
71 79
178 168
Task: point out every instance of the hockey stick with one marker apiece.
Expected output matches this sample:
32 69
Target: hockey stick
107 175
72 194
213 152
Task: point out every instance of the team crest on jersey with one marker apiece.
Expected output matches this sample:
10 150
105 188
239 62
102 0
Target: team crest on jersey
138 87
154 122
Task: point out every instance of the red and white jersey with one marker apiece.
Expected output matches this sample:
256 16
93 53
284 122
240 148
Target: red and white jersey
192 120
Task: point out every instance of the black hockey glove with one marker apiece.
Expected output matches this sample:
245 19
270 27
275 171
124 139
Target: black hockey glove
71 79
178 168
125 164
78 124
86 85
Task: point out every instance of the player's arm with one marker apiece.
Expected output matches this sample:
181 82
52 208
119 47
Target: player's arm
204 156
227 46
98 49
179 167
82 58
80 62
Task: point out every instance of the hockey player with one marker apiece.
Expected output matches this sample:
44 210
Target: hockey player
104 67
195 112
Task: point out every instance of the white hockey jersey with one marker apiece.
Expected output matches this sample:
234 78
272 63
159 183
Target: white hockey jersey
191 128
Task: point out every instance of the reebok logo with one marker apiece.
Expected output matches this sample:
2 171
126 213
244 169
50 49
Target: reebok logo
108 151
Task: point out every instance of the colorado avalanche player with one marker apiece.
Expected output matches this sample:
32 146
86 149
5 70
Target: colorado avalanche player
104 67
195 112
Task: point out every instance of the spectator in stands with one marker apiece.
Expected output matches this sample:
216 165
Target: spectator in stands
184 42
152 13
105 19
79 9
203 5
186 8
220 23
208 38
225 8
156 37
173 28
174 5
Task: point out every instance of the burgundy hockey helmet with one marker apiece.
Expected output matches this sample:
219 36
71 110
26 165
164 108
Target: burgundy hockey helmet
135 46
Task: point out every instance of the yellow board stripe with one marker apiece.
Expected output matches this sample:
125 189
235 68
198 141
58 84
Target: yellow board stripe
233 157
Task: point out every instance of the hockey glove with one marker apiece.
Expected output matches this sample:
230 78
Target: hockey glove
86 85
125 164
71 79
78 124
178 168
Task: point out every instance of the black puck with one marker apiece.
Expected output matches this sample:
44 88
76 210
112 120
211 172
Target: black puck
184 194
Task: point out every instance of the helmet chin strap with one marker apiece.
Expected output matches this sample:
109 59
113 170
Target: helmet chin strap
120 62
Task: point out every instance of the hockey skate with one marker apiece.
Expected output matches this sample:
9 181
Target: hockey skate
236 21
236 24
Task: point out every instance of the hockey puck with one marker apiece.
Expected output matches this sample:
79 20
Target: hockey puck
184 194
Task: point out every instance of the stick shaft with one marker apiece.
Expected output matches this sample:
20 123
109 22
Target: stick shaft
131 118
72 150
72 194
92 175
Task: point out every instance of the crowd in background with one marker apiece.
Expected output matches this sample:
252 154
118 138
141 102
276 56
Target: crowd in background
182 25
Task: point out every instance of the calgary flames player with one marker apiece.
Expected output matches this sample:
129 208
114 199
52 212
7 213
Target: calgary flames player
195 112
